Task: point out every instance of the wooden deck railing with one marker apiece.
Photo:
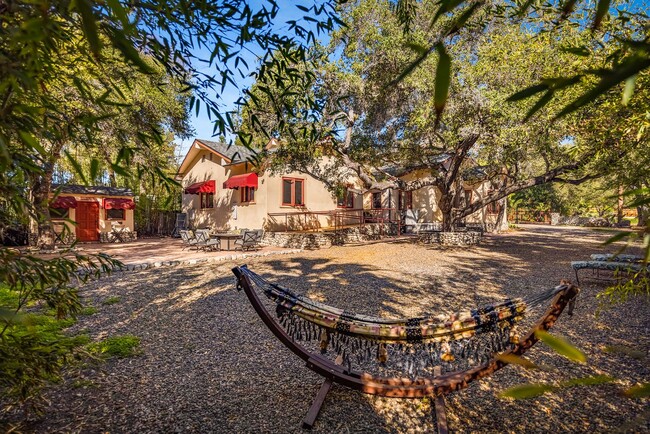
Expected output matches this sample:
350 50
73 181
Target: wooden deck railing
331 220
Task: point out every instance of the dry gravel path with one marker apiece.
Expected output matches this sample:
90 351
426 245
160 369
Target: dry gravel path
209 365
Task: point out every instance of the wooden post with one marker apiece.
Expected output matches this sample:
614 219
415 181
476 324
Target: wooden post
441 413
312 414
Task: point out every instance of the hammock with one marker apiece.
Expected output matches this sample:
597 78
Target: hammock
438 354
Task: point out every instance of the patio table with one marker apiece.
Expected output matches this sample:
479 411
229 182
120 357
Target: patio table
228 238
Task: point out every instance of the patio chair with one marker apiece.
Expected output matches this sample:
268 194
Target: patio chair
250 240
189 240
203 240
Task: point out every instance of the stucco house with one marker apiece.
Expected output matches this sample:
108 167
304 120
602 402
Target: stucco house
90 213
421 206
223 190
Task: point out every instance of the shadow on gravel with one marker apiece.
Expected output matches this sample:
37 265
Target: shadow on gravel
208 364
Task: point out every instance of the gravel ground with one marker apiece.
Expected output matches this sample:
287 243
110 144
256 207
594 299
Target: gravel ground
208 364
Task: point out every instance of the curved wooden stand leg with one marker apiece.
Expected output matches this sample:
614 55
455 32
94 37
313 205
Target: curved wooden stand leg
441 412
312 414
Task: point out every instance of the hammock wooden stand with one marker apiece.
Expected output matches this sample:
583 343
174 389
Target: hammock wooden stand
435 387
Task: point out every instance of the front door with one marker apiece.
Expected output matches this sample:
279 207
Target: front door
87 217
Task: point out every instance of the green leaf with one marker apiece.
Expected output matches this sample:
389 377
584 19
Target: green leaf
523 10
418 48
628 90
76 166
631 66
528 92
619 236
122 43
516 360
31 141
89 24
443 79
545 99
445 6
561 346
638 391
94 169
119 12
10 316
406 71
601 11
460 21
588 381
578 51
628 351
526 391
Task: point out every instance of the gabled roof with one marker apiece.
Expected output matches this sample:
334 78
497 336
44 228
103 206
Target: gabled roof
233 154
97 190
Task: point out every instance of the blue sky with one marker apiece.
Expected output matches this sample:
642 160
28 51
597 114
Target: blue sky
289 11
202 125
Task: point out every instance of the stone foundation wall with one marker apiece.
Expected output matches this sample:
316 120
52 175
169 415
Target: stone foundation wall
317 240
326 239
465 238
557 219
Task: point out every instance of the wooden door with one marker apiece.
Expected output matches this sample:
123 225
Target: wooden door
87 218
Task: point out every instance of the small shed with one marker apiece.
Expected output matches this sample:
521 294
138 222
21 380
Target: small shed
91 213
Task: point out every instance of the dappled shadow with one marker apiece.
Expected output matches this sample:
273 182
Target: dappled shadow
209 364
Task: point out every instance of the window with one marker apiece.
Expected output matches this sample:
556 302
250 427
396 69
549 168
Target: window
293 191
376 200
207 200
345 199
115 214
59 213
405 199
248 194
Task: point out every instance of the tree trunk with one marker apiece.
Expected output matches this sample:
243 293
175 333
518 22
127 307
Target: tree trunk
502 223
619 208
447 210
643 212
41 187
40 194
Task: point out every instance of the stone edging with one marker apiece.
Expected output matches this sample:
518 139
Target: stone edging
158 264
465 238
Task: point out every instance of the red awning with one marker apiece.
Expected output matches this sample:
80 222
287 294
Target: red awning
201 187
246 180
64 202
115 203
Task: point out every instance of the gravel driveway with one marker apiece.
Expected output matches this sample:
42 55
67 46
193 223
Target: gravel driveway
208 364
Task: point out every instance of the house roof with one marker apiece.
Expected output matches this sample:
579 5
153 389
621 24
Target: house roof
97 190
233 154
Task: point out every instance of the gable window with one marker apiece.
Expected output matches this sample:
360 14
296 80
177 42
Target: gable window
248 194
376 200
207 200
345 198
293 192
115 214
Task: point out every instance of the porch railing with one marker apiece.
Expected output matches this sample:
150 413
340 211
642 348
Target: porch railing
336 220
